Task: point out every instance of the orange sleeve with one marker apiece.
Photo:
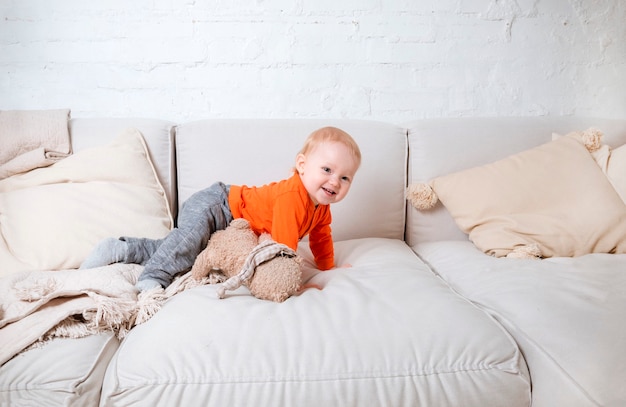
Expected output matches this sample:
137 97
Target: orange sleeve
321 243
285 210
288 213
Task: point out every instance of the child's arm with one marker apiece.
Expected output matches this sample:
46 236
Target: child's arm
321 244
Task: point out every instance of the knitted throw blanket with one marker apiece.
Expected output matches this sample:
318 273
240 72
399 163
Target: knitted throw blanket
32 139
41 305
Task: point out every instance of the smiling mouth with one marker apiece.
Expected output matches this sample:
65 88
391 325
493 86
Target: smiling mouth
328 191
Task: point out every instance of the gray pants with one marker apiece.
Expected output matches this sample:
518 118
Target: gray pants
201 215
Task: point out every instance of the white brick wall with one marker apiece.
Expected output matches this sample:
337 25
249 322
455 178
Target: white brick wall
392 60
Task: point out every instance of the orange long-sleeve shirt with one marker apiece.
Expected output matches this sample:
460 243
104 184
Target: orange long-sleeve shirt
285 210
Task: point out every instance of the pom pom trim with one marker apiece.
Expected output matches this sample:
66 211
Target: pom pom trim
421 196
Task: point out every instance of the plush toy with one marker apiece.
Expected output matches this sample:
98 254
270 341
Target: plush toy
270 270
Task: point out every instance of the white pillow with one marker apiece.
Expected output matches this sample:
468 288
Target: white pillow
50 218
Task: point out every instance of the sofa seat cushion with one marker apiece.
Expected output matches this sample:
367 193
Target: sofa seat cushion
386 331
62 372
567 314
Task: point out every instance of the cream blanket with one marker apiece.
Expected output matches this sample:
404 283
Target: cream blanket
32 139
40 305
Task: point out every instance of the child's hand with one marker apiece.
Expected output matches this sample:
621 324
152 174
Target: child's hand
344 266
306 286
321 277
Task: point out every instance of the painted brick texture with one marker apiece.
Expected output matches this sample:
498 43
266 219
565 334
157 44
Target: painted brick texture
392 60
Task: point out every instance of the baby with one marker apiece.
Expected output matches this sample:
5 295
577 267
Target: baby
289 210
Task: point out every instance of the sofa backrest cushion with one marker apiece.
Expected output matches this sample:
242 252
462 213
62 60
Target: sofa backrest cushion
443 146
259 151
158 135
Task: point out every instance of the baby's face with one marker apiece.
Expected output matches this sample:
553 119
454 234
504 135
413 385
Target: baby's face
327 172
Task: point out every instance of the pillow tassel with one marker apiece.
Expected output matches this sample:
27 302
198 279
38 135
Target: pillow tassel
531 251
591 138
421 196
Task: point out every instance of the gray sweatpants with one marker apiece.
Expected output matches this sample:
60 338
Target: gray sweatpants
204 213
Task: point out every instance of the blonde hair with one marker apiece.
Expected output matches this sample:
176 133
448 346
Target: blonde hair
332 134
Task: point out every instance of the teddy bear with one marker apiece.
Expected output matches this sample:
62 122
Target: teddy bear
270 270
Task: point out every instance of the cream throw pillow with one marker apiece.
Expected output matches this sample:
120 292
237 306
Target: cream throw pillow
553 199
616 170
50 218
612 161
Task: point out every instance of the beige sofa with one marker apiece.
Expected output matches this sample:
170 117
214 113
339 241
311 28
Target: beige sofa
421 318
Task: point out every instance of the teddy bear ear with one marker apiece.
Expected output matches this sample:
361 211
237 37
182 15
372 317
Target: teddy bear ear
592 138
421 196
240 223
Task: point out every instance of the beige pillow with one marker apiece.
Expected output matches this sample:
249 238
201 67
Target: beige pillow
552 200
616 170
612 161
50 218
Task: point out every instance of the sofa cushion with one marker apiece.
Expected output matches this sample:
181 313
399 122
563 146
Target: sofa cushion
616 170
612 161
385 332
62 372
552 197
158 135
567 315
255 152
50 218
443 146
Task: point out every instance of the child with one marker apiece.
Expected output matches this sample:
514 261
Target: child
289 210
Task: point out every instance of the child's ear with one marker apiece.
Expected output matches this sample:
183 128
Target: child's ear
300 161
